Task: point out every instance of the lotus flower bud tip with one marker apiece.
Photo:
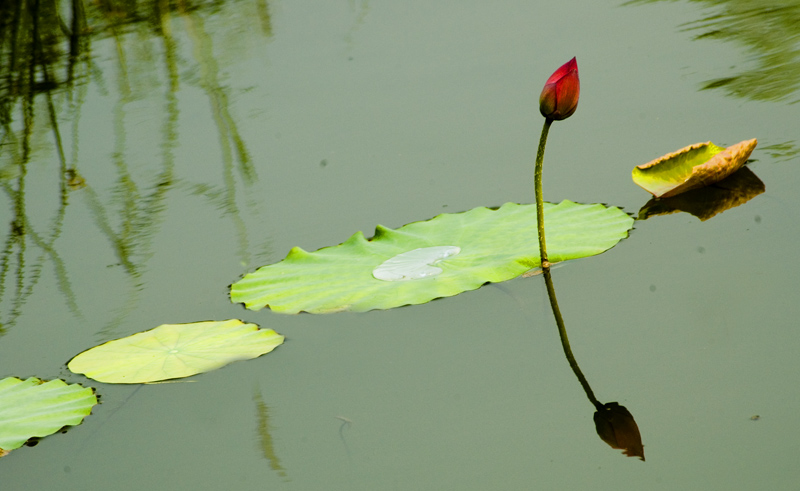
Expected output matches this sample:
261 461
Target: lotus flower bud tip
559 97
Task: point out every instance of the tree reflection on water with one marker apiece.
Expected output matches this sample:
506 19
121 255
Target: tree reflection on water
769 32
51 52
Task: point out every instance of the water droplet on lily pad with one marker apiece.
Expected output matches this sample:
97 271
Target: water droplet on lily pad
414 265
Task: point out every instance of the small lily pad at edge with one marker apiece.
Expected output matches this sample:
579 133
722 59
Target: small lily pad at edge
35 408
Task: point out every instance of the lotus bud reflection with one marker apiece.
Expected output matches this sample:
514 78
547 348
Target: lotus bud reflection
559 98
615 425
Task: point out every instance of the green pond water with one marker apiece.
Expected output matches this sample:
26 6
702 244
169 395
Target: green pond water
172 147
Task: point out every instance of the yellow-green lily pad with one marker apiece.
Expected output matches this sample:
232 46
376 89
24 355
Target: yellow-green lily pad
35 408
691 167
173 351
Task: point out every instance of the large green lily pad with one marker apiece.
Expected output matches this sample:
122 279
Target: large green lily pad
174 351
691 167
459 252
35 408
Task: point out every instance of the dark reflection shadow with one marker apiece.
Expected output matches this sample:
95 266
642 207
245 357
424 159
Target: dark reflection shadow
704 203
47 61
614 423
265 436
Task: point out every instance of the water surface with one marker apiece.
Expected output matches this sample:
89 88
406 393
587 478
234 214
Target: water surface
152 161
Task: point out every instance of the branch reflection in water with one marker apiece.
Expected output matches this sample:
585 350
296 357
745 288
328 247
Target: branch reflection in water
264 434
61 58
767 67
614 423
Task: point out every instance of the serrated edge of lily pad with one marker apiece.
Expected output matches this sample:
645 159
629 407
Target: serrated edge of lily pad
718 167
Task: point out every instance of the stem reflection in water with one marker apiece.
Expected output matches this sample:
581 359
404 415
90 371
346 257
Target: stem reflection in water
614 423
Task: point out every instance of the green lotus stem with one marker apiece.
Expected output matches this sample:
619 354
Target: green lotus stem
562 332
537 184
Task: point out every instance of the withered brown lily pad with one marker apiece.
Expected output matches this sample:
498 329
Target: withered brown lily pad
691 167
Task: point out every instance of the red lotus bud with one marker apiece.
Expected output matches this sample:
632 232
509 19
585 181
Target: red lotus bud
559 97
